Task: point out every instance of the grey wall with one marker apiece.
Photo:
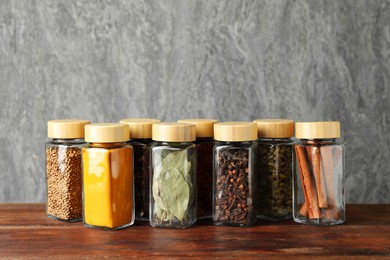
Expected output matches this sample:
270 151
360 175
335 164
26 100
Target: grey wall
229 60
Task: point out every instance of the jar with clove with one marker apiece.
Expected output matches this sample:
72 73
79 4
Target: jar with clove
275 168
141 140
204 174
234 168
173 179
63 169
318 191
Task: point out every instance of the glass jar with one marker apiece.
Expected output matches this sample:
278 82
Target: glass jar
275 168
204 174
63 169
141 140
234 168
173 183
108 194
318 191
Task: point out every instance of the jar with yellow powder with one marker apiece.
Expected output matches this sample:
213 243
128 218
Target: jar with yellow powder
173 181
108 189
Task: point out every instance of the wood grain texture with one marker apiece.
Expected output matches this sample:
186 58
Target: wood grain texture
26 232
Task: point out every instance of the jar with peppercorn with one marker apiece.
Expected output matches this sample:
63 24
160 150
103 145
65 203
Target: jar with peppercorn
204 175
141 140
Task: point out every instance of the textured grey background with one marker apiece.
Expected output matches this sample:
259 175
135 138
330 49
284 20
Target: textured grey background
229 60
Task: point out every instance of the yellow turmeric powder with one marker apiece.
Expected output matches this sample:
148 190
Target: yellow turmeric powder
108 184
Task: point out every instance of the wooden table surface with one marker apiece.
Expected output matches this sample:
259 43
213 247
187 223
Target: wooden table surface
26 232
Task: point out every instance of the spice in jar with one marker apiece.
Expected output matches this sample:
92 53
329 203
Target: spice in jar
319 182
63 169
275 168
141 140
108 199
173 186
234 180
204 174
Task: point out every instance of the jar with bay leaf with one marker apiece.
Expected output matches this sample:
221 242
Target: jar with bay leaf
204 173
275 168
173 181
234 169
141 140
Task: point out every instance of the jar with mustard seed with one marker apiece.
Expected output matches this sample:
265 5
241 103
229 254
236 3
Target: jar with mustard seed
204 175
63 169
318 191
108 189
234 174
141 140
275 157
173 180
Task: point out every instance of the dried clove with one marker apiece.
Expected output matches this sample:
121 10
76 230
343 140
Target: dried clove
232 196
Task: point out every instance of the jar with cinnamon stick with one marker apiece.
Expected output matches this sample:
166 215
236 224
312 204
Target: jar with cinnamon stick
234 168
204 173
318 191
141 140
275 168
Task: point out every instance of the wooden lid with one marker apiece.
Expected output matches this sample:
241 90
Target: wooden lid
275 128
317 130
107 133
235 131
173 132
204 127
66 128
140 128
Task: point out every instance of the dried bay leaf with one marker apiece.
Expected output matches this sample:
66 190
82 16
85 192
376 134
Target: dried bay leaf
158 211
156 187
175 192
181 161
171 184
160 207
183 165
174 159
167 159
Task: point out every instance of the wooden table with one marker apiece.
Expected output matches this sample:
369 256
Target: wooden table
26 232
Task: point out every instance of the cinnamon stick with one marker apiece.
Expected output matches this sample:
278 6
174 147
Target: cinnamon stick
303 210
328 169
314 155
307 184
